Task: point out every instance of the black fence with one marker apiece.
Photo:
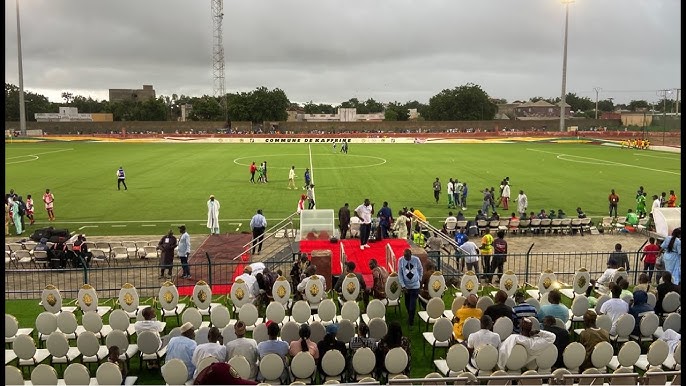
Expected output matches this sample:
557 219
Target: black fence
145 274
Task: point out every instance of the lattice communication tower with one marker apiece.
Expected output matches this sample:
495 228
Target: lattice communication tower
218 64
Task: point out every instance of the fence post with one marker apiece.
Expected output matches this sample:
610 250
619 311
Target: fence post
526 264
636 266
85 269
209 269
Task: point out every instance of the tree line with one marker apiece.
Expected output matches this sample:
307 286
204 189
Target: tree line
465 102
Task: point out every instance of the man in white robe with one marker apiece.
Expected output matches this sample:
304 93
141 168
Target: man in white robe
213 215
533 341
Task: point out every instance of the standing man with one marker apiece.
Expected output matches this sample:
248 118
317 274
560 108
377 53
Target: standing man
505 195
291 178
457 192
213 215
486 204
410 272
464 196
499 255
258 224
385 220
522 203
613 198
307 178
437 189
671 201
656 203
29 209
167 245
49 200
264 170
121 178
185 252
344 220
310 196
641 204
253 169
16 217
451 193
364 212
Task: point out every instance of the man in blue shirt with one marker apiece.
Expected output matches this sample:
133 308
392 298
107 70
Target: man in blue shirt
554 309
184 251
273 346
182 347
521 310
410 272
258 224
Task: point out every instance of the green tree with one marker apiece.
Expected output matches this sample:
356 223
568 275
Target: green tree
207 108
396 112
606 105
153 110
33 103
373 106
577 103
635 105
87 105
466 102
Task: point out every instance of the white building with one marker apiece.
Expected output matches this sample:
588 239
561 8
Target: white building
71 114
342 115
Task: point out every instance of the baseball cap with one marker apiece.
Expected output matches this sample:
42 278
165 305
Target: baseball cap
332 328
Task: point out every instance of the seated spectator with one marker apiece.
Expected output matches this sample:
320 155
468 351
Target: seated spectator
533 341
542 215
480 216
482 337
330 342
274 345
499 308
450 219
644 284
590 336
149 323
350 268
393 338
379 277
631 218
213 348
182 347
113 357
461 217
221 373
241 346
580 213
639 307
81 251
561 338
251 281
362 338
626 294
555 309
304 343
298 269
467 310
424 284
494 216
561 214
310 271
614 307
602 284
663 289
521 310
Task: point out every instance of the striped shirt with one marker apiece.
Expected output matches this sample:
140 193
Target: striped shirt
522 310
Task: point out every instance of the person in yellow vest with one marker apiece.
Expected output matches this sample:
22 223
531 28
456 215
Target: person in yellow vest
486 250
418 237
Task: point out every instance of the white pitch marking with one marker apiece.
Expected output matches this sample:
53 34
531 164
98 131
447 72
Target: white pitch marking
381 161
118 226
655 156
228 220
88 226
601 161
148 225
238 227
35 154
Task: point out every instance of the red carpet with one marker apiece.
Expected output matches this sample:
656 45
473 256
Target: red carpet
353 252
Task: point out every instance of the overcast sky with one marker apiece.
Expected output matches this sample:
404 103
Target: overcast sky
330 51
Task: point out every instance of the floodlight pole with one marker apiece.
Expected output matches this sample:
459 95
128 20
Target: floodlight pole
22 106
597 90
564 68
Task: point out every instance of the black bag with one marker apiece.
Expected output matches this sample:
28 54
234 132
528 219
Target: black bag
22 208
38 234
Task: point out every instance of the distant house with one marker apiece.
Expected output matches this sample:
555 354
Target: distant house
124 94
540 110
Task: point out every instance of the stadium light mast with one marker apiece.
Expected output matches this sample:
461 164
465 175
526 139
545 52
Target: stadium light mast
597 91
564 67
218 64
22 106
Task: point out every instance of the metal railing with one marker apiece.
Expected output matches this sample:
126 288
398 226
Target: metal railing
284 227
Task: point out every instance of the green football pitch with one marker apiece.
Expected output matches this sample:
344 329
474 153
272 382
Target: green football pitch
169 184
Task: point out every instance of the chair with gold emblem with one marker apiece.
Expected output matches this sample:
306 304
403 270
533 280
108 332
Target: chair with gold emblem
51 300
88 301
129 301
314 291
546 283
350 289
281 292
580 283
202 298
239 295
168 298
469 284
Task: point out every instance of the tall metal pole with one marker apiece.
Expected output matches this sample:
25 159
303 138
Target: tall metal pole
597 90
22 106
218 64
564 69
